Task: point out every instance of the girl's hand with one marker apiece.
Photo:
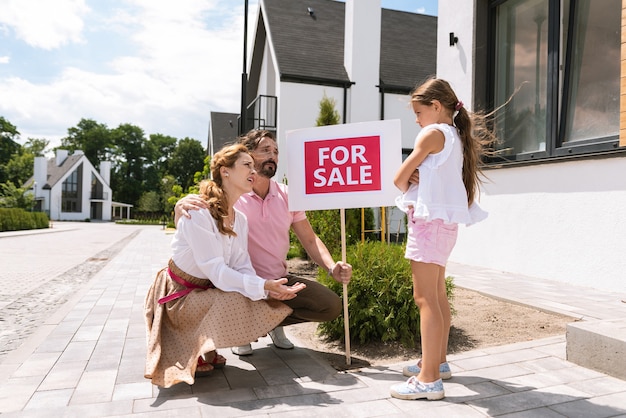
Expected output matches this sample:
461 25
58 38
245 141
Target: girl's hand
277 289
415 177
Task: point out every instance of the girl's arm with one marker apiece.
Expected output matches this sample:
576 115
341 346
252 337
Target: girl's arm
430 143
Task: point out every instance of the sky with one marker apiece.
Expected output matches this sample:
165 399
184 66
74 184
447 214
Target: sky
161 65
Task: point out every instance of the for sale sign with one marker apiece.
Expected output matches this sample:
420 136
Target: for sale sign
343 166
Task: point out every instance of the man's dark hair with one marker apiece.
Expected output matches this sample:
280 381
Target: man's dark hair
252 138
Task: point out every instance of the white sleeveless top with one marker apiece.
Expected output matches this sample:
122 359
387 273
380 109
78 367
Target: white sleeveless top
441 193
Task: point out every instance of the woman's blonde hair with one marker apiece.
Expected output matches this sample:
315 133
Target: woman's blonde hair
476 137
212 190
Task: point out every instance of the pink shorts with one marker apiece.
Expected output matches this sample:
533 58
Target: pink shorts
430 241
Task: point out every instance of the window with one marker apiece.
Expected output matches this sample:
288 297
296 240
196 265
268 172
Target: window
70 192
556 74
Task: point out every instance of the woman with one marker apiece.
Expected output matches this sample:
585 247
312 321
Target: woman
209 296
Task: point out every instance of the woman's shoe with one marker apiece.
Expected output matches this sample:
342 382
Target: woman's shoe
216 360
204 368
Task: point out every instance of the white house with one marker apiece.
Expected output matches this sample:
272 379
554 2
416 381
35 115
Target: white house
556 196
366 58
68 188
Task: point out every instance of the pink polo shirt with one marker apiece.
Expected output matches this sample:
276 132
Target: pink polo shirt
269 222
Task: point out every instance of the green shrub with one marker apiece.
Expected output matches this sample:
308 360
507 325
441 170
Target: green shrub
380 296
14 219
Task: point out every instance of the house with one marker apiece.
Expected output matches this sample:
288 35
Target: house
557 191
365 58
68 188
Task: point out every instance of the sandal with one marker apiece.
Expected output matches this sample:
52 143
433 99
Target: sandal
203 368
217 361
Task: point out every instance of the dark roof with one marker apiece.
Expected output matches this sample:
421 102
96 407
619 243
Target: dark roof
311 48
55 173
224 129
408 53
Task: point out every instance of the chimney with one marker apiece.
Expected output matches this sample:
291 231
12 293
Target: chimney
105 172
41 173
61 155
362 58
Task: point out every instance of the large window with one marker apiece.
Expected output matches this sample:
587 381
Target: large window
71 193
556 72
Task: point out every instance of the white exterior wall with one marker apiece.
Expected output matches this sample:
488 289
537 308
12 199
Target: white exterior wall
455 63
362 58
562 221
399 107
559 221
298 108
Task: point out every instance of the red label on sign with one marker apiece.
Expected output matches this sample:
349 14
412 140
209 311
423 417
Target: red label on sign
342 165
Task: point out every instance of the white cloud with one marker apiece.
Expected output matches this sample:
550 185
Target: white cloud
45 24
186 62
5 59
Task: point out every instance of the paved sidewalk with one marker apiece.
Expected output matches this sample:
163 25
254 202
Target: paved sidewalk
87 358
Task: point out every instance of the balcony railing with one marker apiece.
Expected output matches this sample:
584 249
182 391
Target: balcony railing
261 113
99 195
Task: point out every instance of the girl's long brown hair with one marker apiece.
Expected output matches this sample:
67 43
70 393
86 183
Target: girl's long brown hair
476 137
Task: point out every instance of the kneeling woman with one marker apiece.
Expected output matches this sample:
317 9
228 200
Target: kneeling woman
209 296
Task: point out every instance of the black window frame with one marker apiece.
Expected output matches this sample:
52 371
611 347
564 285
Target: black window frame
556 147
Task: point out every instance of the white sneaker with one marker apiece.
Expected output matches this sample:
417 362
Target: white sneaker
280 340
242 350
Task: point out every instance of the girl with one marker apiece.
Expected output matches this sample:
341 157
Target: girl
445 161
209 296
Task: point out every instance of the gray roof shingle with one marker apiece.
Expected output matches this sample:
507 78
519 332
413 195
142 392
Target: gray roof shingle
311 48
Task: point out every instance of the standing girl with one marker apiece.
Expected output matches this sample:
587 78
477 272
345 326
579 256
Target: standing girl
446 163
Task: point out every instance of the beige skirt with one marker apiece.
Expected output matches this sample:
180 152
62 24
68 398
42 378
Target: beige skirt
181 330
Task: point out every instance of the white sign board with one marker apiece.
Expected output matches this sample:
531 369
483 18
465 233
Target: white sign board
344 166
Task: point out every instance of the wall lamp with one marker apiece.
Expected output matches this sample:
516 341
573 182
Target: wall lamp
453 39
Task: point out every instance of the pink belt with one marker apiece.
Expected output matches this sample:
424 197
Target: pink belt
189 287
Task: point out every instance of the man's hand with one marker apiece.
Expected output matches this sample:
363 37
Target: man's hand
277 289
342 272
187 203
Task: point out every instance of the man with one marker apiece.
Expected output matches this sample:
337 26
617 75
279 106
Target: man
269 222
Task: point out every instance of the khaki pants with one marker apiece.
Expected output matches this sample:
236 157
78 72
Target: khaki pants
316 303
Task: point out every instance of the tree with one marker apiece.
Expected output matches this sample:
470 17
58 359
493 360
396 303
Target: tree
150 202
12 196
159 149
186 160
328 114
129 162
21 165
8 145
93 138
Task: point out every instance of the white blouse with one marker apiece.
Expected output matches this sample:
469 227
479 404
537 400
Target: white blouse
200 250
441 193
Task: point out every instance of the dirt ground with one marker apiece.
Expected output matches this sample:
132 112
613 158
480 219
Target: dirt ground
480 322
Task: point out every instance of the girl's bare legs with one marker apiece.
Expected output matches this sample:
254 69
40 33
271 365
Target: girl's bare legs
426 293
444 305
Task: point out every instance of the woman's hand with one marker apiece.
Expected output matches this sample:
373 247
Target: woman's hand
277 289
187 203
342 272
415 177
